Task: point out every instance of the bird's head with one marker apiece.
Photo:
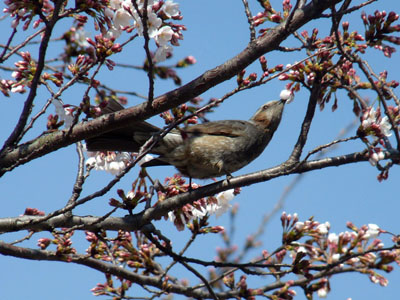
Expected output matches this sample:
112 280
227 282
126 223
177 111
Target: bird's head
269 115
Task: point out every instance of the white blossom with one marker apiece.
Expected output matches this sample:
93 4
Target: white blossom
115 4
164 35
368 118
108 12
122 18
374 279
372 232
113 163
299 226
18 89
80 37
335 257
113 32
63 112
333 238
385 126
217 208
170 9
171 216
371 117
223 201
286 95
162 52
323 228
322 293
153 23
127 4
376 157
199 212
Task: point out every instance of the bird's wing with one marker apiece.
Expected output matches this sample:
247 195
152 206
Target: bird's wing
231 128
167 144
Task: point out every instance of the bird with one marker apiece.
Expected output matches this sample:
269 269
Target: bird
200 151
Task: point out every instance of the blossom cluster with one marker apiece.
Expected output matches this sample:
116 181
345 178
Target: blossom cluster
378 126
25 10
61 240
203 207
128 16
359 249
110 161
138 254
26 69
372 123
377 29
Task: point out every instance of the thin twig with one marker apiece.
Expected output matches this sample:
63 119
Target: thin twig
15 136
25 42
7 45
144 18
249 20
351 9
80 178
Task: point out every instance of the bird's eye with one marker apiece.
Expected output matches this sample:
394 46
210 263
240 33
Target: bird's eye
265 106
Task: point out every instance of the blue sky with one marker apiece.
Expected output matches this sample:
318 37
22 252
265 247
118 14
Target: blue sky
217 30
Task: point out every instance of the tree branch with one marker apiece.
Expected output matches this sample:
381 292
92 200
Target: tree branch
266 43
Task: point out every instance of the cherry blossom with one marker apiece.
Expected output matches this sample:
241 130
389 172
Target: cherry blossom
323 228
162 53
170 9
153 23
223 205
373 124
375 157
164 35
286 95
122 18
333 238
372 232
64 112
111 162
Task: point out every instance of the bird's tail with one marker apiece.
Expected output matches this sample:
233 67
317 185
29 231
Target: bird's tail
121 139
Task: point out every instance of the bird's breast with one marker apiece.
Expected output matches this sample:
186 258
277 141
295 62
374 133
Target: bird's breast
205 156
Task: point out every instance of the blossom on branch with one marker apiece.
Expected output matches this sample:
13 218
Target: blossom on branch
112 162
65 112
373 124
170 9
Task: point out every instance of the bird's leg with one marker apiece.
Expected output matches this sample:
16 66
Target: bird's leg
228 177
190 184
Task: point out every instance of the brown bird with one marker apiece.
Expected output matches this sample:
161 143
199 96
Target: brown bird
200 151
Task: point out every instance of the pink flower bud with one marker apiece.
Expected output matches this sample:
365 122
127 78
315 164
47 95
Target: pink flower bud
253 76
276 18
190 60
